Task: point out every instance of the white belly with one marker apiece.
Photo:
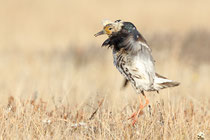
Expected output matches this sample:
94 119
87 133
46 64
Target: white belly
138 71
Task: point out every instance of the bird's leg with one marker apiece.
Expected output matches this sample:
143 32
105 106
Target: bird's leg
147 101
136 114
141 106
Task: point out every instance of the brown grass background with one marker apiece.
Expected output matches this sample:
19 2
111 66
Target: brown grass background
54 74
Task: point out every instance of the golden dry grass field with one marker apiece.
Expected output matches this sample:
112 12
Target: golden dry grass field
56 82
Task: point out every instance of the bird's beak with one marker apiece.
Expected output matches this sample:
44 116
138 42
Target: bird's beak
100 33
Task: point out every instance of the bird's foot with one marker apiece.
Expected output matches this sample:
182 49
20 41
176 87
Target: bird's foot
135 115
134 121
132 116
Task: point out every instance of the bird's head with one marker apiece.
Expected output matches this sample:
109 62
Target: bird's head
110 28
119 32
113 28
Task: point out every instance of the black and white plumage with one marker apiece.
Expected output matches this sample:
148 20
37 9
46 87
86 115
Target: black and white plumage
132 57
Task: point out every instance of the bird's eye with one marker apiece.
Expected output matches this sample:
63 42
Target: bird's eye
110 28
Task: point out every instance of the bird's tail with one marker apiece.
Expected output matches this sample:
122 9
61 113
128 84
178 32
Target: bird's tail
162 82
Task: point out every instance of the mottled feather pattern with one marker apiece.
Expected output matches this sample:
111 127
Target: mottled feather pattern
139 66
132 57
140 69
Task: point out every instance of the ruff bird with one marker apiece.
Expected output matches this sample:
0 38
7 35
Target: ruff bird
132 57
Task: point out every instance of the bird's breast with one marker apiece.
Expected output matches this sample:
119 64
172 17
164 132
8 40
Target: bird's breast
124 65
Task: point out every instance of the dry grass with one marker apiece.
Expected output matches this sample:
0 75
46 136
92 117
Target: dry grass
168 120
57 83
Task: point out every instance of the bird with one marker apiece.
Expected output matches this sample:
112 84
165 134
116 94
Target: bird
133 58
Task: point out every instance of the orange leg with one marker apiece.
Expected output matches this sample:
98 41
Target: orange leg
135 115
140 106
147 101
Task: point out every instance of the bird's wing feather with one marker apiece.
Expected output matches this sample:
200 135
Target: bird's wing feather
142 57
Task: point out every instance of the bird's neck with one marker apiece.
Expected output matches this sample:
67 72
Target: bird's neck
119 41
